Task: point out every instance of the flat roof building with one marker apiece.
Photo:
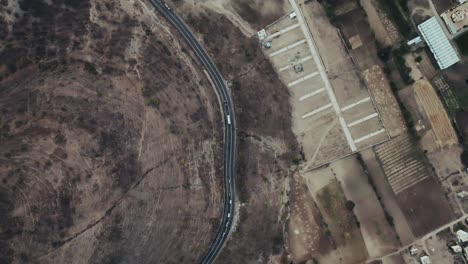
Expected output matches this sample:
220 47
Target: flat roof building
438 43
462 236
456 19
425 260
262 34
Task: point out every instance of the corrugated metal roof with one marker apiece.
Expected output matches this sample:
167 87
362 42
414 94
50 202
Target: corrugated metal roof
438 42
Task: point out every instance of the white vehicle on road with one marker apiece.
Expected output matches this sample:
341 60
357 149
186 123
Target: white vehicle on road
228 117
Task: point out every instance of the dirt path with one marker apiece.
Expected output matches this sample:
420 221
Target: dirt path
224 7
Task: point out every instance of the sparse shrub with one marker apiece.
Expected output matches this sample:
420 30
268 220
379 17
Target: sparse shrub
90 68
146 92
384 54
11 67
24 147
297 159
153 102
108 140
389 218
401 64
235 85
418 59
47 164
115 234
350 205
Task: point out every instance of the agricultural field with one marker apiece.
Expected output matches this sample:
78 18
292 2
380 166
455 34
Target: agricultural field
435 114
341 223
378 233
425 206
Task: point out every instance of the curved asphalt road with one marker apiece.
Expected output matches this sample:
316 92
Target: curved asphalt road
229 129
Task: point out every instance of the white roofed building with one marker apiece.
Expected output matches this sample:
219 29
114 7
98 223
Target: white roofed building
425 260
438 43
462 236
261 34
456 249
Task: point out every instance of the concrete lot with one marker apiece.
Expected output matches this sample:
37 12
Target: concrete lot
333 113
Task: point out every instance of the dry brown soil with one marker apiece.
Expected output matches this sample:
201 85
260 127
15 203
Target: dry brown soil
110 139
306 234
260 13
425 206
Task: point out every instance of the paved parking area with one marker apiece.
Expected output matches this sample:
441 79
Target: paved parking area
333 113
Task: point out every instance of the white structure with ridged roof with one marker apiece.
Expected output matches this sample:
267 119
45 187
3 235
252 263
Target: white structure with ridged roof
438 42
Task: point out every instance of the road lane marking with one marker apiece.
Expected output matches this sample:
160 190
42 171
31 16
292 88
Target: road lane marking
373 134
311 94
297 62
355 104
357 122
283 31
288 48
316 111
302 79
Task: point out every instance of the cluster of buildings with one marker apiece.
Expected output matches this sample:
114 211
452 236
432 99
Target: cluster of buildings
461 244
458 246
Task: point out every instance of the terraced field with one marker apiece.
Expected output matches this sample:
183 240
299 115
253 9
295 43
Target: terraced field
401 163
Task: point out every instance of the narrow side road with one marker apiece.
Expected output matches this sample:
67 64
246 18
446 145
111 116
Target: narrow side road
229 123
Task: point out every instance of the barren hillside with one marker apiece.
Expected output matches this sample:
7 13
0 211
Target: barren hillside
110 137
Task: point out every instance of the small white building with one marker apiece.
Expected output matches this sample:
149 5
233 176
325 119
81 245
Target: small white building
262 34
462 236
413 250
414 41
425 260
462 194
456 249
